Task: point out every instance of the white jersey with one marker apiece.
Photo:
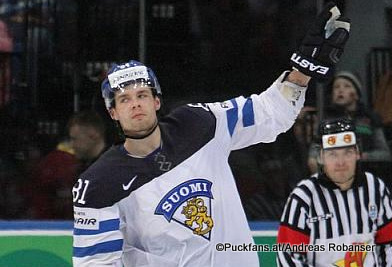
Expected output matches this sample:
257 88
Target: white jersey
174 206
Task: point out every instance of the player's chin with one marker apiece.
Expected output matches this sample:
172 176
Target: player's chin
138 131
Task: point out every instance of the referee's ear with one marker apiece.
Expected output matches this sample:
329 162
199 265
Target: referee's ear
359 153
319 156
319 161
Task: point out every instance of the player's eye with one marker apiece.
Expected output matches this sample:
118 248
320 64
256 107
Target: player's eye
142 95
123 100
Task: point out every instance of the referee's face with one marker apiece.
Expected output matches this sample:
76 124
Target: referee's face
339 165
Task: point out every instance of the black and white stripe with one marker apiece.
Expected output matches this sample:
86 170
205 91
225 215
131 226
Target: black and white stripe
315 199
349 208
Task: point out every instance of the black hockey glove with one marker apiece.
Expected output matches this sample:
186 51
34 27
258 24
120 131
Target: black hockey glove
323 44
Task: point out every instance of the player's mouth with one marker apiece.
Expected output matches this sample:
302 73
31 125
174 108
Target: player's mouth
138 116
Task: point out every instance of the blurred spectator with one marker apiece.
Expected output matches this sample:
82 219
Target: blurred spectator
382 103
6 42
6 45
53 179
56 173
345 94
304 130
87 136
383 96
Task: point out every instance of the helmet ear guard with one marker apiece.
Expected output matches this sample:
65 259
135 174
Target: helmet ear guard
125 74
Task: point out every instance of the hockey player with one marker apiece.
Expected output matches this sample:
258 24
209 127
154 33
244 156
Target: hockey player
341 216
166 196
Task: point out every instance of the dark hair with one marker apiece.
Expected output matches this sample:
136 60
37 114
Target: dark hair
89 119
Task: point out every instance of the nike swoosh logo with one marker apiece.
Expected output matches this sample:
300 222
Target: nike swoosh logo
126 187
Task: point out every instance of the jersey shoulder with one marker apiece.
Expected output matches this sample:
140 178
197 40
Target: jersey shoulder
101 185
192 116
189 126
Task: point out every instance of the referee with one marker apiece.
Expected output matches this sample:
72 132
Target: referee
341 216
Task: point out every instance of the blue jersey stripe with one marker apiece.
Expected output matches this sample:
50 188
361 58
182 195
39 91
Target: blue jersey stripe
104 247
232 117
248 116
104 226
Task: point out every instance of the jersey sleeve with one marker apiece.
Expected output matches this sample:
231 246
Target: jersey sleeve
258 118
384 231
97 239
294 229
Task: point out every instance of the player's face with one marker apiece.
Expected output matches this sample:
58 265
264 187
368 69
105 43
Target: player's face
135 109
344 92
340 164
82 140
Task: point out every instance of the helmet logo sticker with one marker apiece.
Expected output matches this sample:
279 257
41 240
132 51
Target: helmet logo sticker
332 140
347 138
125 75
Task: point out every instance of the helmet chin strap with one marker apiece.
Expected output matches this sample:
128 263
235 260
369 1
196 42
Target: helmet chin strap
138 137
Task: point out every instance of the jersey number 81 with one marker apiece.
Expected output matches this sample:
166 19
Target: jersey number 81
80 186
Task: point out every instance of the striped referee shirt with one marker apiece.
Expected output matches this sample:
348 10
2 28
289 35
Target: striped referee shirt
330 221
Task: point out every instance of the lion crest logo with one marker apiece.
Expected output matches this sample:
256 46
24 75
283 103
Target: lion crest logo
196 212
189 204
